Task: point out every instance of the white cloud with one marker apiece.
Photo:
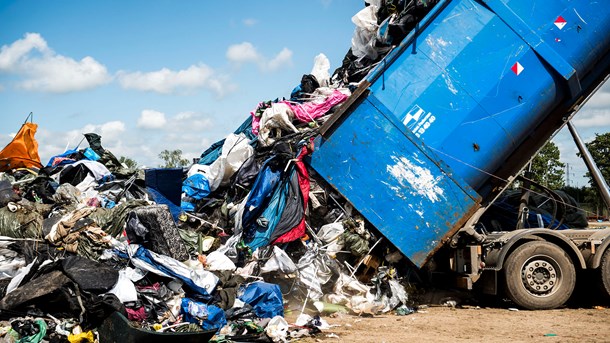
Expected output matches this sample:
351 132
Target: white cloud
246 53
186 133
243 52
601 99
190 121
12 55
283 58
326 3
111 130
192 132
50 144
568 155
44 70
166 81
592 118
150 119
5 139
250 22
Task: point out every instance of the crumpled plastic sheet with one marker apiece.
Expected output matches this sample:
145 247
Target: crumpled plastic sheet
200 280
324 101
229 249
21 274
278 116
42 331
399 295
124 289
208 316
320 69
10 261
279 261
314 272
357 296
277 329
265 299
365 33
219 261
330 235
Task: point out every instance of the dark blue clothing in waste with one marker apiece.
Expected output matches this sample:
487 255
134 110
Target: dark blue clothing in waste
261 193
258 233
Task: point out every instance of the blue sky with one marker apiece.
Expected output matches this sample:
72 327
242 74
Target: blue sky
155 75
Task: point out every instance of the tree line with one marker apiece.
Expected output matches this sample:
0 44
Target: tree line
549 171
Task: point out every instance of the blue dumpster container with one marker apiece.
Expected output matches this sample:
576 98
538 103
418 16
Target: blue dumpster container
459 107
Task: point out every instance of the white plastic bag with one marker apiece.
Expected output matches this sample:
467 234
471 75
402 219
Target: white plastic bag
124 289
365 33
279 261
329 235
321 67
219 261
277 329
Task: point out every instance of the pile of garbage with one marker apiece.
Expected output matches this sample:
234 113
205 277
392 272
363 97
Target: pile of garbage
225 247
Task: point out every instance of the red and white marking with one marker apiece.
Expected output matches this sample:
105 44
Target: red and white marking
517 68
560 22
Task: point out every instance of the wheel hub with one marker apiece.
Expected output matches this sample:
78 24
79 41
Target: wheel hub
539 277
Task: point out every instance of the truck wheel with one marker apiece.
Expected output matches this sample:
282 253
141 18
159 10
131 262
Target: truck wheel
604 271
539 276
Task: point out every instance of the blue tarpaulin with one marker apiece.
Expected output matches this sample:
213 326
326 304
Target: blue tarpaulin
52 160
195 187
265 299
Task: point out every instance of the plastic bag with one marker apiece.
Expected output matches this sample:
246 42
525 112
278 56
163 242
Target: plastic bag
279 261
329 234
218 261
321 67
365 33
124 289
277 329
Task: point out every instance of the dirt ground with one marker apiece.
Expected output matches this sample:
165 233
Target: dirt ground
585 318
472 324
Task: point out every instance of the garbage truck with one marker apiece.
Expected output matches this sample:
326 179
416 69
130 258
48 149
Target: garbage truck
449 119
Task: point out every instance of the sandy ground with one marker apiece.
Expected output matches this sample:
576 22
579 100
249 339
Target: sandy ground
473 324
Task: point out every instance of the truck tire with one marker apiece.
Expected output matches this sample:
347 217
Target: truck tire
604 272
539 276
